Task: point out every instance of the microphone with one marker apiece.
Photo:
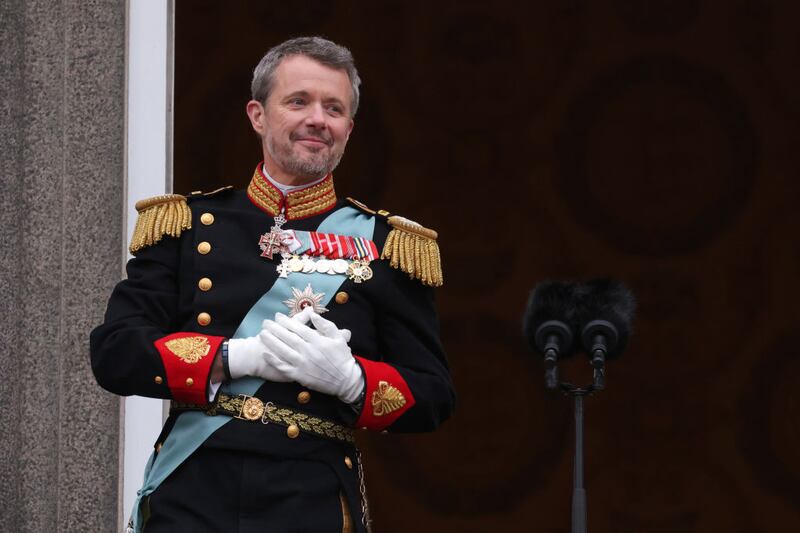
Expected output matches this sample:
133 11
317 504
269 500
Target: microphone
606 309
549 324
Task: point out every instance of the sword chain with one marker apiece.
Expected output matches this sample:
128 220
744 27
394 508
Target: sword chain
366 520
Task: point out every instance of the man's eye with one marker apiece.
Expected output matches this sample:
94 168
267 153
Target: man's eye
335 109
297 101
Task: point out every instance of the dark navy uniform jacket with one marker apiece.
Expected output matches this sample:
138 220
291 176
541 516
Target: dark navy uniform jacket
392 318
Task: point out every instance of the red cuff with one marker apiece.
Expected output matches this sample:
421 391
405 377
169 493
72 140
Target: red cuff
386 397
187 359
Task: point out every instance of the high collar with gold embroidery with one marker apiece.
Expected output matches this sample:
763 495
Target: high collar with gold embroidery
301 203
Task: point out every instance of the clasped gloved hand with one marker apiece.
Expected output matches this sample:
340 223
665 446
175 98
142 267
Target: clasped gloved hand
319 359
249 357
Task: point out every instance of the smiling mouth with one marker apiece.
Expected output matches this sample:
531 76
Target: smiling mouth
316 141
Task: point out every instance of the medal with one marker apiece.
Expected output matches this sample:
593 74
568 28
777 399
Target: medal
340 266
305 298
283 268
295 264
323 266
271 243
324 253
359 271
308 264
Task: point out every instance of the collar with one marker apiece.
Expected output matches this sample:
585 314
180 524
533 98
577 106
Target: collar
300 203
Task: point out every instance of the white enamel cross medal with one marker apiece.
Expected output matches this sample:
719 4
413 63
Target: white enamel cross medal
271 242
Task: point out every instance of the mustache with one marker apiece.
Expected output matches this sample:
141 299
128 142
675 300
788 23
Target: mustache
321 138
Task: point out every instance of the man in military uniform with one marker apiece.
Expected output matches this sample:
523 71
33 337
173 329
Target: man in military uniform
276 319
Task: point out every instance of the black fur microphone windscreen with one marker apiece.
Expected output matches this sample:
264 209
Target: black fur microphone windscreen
549 301
610 300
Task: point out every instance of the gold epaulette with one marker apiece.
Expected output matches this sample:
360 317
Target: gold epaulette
167 214
410 247
413 249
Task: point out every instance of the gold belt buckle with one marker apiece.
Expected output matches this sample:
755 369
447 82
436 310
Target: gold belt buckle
252 408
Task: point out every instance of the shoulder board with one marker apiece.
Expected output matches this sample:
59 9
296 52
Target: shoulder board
167 214
200 194
363 207
410 247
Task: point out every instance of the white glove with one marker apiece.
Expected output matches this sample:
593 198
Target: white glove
248 357
318 359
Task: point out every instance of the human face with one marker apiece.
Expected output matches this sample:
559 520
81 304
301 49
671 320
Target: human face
305 123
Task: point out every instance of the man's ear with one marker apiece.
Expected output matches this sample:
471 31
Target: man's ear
350 128
255 112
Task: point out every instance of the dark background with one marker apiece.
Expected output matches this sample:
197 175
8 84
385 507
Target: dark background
651 140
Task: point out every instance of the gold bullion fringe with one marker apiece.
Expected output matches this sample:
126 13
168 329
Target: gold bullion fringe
413 249
167 214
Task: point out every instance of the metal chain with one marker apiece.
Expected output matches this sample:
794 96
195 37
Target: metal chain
366 520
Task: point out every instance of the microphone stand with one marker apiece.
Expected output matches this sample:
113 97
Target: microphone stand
578 490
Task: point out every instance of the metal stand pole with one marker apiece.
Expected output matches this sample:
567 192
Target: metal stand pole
578 492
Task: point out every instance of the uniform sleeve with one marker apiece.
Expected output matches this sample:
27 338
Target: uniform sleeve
137 349
409 389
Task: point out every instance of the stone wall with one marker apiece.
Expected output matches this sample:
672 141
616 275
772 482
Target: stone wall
62 98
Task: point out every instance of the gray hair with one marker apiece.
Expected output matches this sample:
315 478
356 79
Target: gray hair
321 50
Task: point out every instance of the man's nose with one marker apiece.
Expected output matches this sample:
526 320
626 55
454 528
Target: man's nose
316 116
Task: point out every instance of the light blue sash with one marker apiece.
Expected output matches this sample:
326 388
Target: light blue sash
194 427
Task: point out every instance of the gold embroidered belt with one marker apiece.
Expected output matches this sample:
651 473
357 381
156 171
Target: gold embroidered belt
251 409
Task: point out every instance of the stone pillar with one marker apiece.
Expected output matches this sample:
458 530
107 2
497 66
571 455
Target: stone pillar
62 98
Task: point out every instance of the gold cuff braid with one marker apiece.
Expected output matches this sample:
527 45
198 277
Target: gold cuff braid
167 214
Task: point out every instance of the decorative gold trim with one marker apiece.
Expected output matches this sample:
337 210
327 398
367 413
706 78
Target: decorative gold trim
362 206
410 226
324 428
189 349
167 214
299 204
412 248
264 195
253 409
386 399
216 191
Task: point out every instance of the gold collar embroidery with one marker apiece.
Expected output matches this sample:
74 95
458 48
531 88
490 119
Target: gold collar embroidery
301 203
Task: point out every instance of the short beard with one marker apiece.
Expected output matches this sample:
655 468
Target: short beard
310 169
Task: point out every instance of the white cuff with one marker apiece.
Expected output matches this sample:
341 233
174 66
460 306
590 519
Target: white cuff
212 390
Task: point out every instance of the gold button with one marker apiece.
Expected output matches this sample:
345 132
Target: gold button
189 382
158 446
204 284
292 431
348 462
342 297
204 247
207 219
159 380
204 319
304 397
